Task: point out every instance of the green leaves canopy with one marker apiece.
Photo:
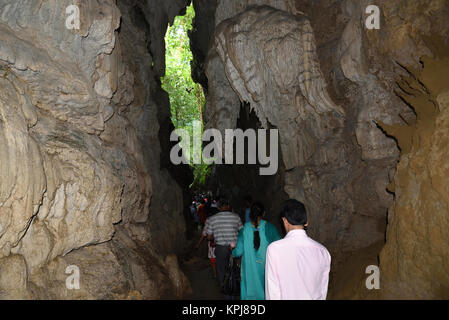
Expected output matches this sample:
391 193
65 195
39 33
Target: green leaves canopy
186 97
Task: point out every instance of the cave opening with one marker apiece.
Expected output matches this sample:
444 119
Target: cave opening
187 102
187 99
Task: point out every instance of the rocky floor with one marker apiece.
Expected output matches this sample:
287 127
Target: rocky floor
347 280
196 267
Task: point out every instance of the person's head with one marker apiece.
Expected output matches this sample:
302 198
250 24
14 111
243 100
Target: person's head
223 204
256 213
212 211
294 215
248 200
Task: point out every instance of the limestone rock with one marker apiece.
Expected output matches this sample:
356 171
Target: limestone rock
73 165
414 261
263 49
13 278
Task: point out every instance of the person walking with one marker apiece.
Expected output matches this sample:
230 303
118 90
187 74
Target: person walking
248 200
223 227
194 214
210 248
297 267
201 211
252 244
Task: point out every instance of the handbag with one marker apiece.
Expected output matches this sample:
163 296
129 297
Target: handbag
231 285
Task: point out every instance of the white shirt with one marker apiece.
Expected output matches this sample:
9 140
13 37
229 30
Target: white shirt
297 268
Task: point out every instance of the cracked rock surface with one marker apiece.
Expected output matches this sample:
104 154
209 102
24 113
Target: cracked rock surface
77 181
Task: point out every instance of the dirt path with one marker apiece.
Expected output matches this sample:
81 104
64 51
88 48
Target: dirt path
196 267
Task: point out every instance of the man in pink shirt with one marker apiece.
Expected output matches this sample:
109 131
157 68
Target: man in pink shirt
297 267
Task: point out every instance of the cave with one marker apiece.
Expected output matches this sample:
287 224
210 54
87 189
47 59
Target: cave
88 186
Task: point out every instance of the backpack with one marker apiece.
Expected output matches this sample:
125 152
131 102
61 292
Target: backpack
231 285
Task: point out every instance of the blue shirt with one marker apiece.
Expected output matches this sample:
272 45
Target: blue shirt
247 212
252 285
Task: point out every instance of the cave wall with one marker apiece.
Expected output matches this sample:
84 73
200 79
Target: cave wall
83 181
415 260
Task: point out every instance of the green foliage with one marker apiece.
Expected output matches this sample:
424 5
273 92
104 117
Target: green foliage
200 172
186 97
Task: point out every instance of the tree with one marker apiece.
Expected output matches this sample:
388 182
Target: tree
186 97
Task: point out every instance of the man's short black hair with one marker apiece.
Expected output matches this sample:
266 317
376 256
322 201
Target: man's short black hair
295 212
223 202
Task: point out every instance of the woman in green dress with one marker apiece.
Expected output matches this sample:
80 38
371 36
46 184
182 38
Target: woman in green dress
252 243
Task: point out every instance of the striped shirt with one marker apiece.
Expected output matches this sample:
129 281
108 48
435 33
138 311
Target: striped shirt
224 226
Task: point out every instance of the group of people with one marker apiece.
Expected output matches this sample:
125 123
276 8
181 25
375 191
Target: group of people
203 205
292 268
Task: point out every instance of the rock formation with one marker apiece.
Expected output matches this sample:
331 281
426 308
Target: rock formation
414 261
80 153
